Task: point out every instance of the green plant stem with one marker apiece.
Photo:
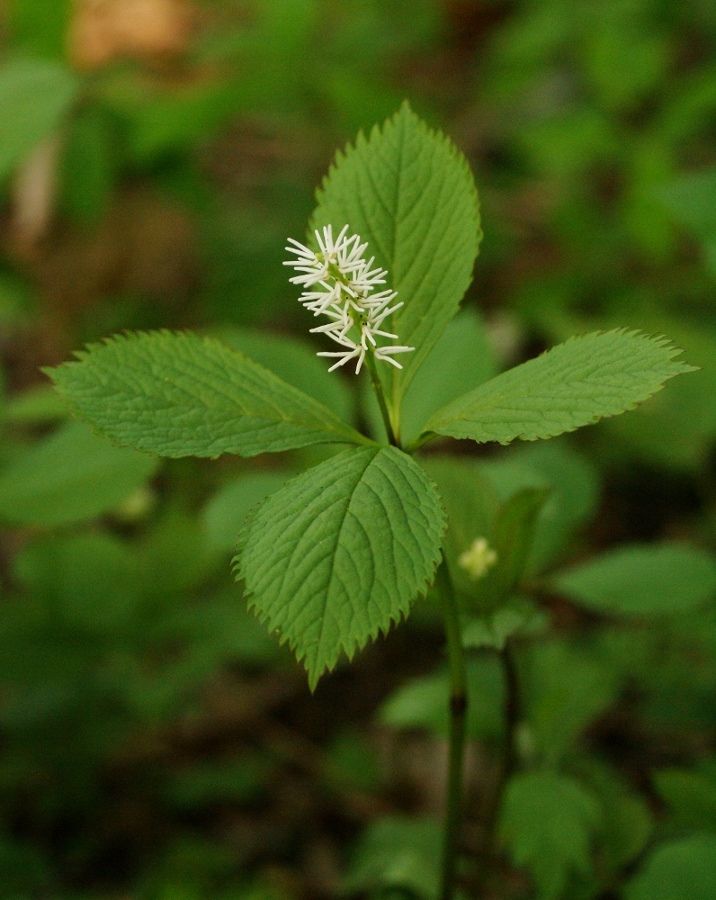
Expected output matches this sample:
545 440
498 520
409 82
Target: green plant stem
458 714
393 436
510 757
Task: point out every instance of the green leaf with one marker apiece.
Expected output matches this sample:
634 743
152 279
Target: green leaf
69 477
691 797
225 513
37 404
627 821
677 871
176 394
34 96
547 822
409 193
573 494
91 580
519 617
566 689
661 579
576 383
296 363
399 854
341 552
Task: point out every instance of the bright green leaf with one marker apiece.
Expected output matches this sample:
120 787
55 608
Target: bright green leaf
660 579
340 553
71 476
176 394
409 193
682 870
34 96
547 822
576 383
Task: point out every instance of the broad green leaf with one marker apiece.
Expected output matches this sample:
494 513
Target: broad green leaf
71 476
176 394
425 702
682 870
401 855
225 513
660 579
690 796
296 363
566 689
409 193
574 384
34 96
341 552
547 822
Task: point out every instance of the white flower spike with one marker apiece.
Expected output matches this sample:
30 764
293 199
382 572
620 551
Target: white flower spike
339 283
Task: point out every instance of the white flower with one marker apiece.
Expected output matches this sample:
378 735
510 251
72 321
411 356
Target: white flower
478 559
341 284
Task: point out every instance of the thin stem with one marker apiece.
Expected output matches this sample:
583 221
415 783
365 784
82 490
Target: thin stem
458 713
378 388
510 758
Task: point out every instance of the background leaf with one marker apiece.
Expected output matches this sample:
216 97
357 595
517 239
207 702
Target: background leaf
398 854
341 552
678 870
176 394
409 192
571 385
225 513
661 579
34 95
69 477
566 689
546 822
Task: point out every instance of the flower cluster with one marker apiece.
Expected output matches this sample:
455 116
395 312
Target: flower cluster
339 283
478 559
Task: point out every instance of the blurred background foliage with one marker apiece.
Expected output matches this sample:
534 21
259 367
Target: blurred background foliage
154 741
